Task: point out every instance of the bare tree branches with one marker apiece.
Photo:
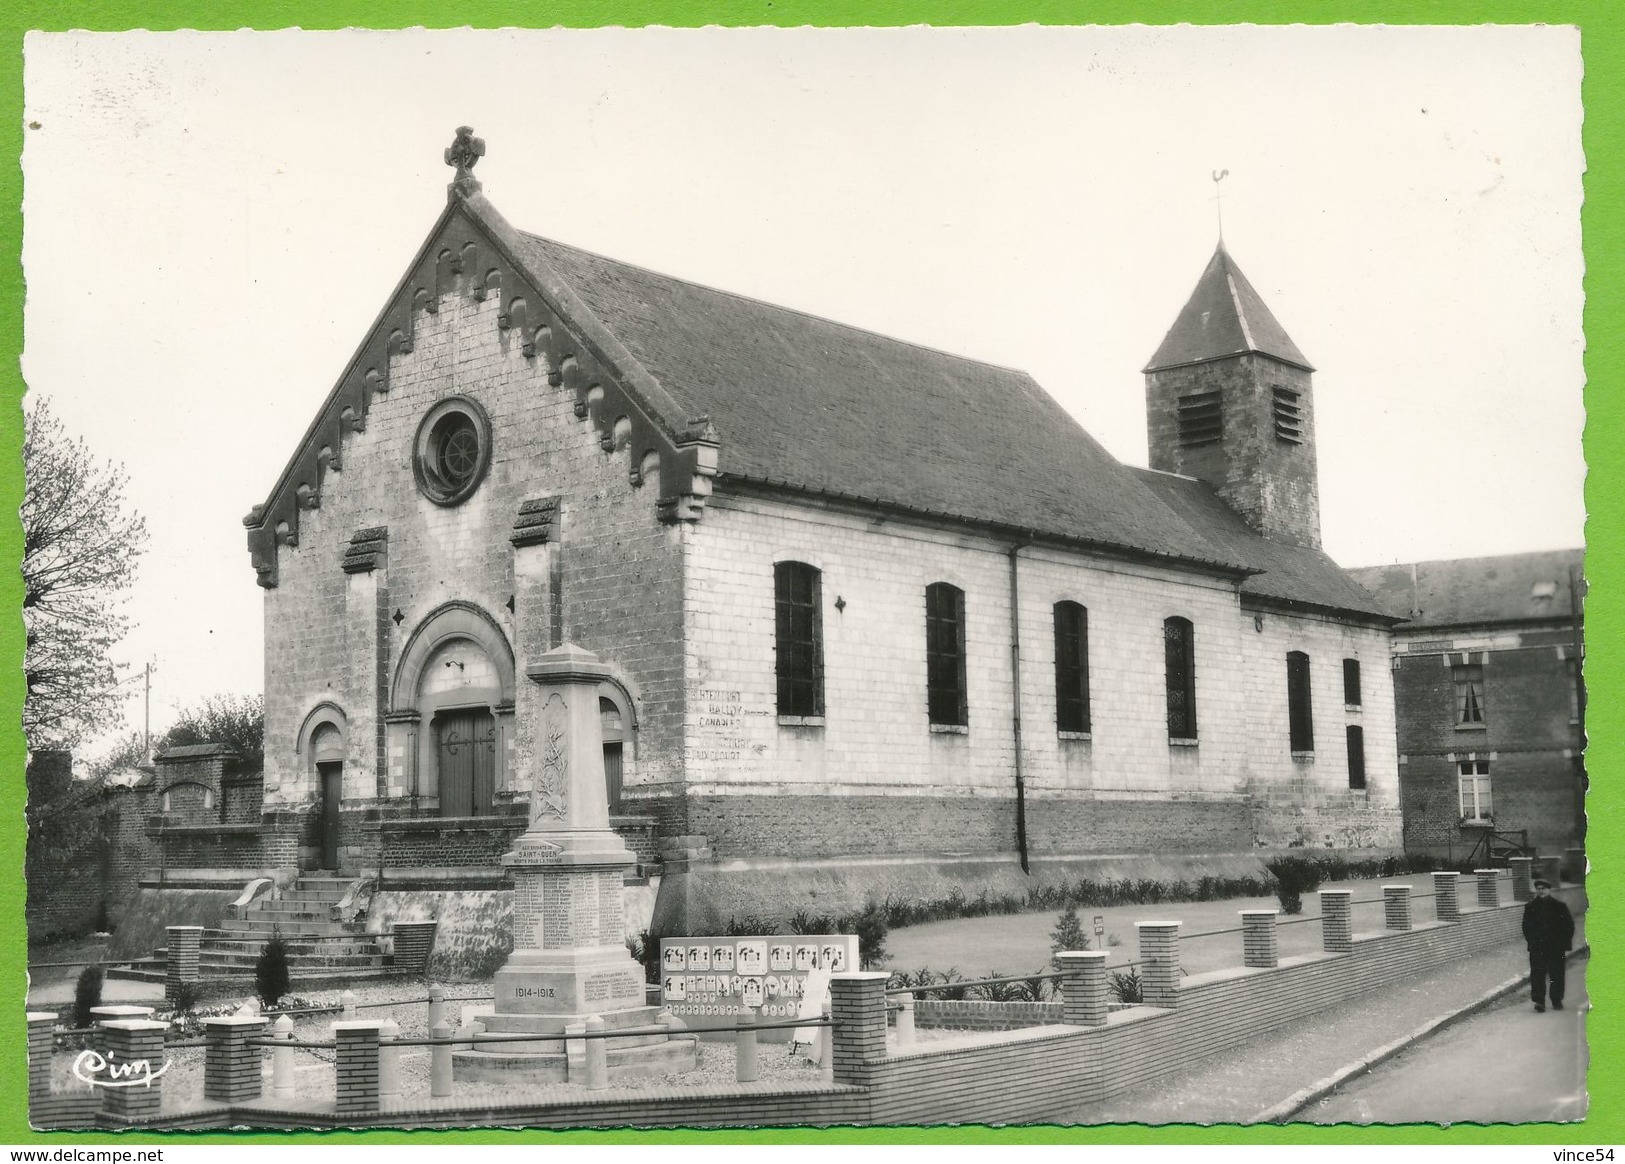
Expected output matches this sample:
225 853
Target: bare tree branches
80 545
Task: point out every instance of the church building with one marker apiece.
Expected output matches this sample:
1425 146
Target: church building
877 617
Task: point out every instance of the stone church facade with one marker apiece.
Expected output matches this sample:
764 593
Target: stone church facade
865 605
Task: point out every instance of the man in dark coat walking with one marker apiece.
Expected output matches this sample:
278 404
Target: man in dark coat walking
1548 928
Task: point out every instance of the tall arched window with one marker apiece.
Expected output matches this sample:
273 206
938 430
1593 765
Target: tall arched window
945 654
798 639
1179 656
1071 667
1299 708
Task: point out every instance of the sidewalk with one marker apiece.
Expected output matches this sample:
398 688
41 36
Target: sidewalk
1239 1085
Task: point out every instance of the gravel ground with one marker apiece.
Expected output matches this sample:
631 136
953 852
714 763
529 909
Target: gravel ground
314 1073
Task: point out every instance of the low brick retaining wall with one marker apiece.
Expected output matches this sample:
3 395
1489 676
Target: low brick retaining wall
1084 1052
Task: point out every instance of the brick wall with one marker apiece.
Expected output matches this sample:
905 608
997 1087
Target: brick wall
748 824
1528 736
459 841
1273 484
83 866
975 1015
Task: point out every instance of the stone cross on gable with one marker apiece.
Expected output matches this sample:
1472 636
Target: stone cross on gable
463 152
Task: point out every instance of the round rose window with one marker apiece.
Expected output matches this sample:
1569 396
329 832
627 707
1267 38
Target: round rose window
453 450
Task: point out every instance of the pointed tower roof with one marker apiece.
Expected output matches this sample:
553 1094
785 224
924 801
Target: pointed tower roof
1224 317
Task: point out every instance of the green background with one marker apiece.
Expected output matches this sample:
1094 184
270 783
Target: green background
1603 45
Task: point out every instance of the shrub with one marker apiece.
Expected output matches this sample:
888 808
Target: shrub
645 950
271 970
1295 876
87 993
186 996
1068 933
806 923
871 929
1125 986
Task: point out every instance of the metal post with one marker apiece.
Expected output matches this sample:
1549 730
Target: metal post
597 1055
389 1061
905 1021
437 1006
440 1062
745 1043
282 1060
826 1047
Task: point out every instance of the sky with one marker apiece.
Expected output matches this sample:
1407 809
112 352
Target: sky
213 220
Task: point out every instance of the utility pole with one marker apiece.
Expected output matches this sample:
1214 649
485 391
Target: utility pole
146 716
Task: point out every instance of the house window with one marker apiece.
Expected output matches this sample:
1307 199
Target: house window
1288 416
1474 777
1179 655
1469 694
1356 756
1573 666
1200 422
945 653
1071 667
798 639
1300 713
1351 682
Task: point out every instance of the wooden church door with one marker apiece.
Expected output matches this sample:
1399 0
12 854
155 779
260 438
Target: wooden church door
466 743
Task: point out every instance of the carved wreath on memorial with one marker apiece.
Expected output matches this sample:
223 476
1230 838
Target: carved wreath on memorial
553 782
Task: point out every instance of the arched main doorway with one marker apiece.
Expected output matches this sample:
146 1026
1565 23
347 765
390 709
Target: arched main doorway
452 710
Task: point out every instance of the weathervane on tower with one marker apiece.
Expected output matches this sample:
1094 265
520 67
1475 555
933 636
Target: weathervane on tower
463 152
1218 199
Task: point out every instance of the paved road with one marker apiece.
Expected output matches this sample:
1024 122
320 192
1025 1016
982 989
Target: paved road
1243 1082
1506 1065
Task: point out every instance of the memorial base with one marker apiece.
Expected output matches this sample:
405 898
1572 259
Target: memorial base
560 1060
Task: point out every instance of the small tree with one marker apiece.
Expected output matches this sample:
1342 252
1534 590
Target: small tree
80 545
87 993
236 721
271 970
1068 933
871 929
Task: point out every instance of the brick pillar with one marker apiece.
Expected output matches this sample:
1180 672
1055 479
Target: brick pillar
231 1068
1523 887
1337 920
1083 987
1445 905
1258 946
182 950
356 1066
1488 898
1396 907
1159 957
102 1015
41 1046
858 1008
134 1050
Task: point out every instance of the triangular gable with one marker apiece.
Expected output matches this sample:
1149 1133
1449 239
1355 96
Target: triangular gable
473 249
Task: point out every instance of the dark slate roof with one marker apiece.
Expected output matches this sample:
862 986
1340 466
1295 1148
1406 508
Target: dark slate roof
803 402
1473 591
1293 574
1224 317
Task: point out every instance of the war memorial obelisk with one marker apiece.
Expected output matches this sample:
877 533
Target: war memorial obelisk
569 962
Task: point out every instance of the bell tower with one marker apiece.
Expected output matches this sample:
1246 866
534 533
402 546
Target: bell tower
1229 401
